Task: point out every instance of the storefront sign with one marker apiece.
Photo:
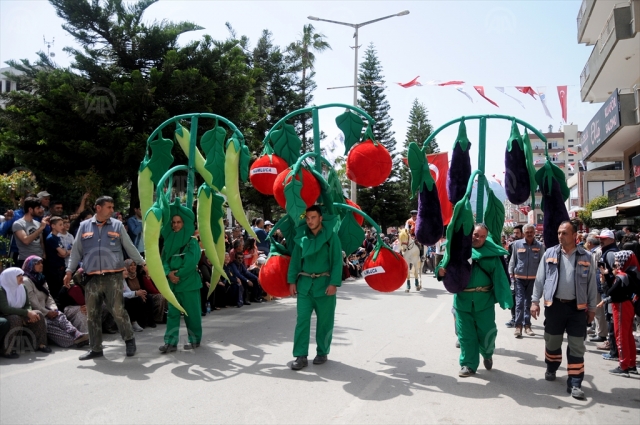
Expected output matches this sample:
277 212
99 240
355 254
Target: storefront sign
603 124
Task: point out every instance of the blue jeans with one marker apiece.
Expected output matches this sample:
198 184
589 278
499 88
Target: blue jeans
524 290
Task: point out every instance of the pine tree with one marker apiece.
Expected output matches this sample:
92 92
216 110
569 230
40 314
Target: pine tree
383 203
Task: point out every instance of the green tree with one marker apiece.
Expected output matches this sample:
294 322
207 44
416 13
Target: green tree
599 223
383 203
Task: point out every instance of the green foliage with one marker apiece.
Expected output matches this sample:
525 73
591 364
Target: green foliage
597 204
17 184
212 145
295 206
351 234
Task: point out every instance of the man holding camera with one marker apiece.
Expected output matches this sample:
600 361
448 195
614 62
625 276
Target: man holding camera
609 248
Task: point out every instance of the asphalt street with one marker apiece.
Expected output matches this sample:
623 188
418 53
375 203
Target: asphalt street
393 360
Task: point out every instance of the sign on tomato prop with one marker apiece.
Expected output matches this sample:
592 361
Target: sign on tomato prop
369 164
387 272
273 276
264 172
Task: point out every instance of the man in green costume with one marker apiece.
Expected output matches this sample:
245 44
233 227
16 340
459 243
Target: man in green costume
315 273
474 306
180 257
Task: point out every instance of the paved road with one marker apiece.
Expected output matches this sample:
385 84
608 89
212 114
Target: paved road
393 360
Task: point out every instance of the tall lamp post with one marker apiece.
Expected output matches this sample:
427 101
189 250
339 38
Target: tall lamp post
355 69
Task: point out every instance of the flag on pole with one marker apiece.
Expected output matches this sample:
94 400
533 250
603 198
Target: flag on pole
501 90
439 165
562 94
572 152
543 100
411 83
570 166
451 83
527 90
480 91
465 93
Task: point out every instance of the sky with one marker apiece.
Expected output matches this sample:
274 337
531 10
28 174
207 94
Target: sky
500 43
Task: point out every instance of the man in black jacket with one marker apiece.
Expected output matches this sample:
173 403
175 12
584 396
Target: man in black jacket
609 248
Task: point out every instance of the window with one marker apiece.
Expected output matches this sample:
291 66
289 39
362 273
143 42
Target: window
570 174
570 146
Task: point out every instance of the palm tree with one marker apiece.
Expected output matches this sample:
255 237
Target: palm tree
303 50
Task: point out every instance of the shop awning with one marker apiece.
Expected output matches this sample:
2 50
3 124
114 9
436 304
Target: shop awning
615 209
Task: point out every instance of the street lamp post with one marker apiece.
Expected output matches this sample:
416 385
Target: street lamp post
355 68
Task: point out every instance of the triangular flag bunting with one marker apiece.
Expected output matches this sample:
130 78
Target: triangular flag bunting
527 90
501 90
543 100
411 83
480 91
562 95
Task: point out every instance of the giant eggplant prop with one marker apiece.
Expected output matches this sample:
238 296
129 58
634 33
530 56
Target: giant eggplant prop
429 223
555 192
460 168
457 257
517 183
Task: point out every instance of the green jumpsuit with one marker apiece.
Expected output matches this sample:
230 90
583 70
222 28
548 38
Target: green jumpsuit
321 253
475 311
181 252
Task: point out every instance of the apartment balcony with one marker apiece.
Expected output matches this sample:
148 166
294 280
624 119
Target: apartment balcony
559 162
592 16
615 59
538 149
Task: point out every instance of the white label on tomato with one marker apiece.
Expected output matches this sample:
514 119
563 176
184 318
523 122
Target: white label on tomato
264 170
373 270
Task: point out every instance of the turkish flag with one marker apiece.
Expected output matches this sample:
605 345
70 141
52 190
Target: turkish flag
439 165
562 94
527 90
480 90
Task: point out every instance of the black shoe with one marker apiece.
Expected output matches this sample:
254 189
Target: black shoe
320 360
191 345
45 349
619 372
576 393
247 303
109 331
550 376
168 348
152 324
299 363
598 339
633 370
91 355
510 324
131 347
488 364
12 355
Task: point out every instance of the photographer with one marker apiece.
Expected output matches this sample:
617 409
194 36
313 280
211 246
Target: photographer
607 260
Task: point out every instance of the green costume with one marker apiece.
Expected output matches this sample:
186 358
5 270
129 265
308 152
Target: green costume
475 312
181 253
315 254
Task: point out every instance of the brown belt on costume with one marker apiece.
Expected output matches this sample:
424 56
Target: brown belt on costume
479 289
313 275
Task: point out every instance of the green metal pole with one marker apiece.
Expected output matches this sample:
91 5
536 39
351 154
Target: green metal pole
481 177
316 138
193 136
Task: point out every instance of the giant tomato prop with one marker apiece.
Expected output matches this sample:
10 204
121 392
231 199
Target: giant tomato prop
369 165
310 188
264 172
273 276
387 273
358 217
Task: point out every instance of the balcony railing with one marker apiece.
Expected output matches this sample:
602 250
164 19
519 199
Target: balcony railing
583 8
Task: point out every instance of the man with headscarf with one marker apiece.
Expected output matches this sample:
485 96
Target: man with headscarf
475 306
620 296
180 257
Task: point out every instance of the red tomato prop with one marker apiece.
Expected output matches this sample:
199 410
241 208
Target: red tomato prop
310 188
358 217
369 165
387 273
264 172
273 276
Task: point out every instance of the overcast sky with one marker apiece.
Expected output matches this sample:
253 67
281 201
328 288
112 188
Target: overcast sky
503 43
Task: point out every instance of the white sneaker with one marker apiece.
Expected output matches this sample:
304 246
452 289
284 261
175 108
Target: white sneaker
350 278
136 327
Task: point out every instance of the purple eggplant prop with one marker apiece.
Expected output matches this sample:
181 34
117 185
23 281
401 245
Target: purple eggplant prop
517 182
459 268
555 192
460 168
429 225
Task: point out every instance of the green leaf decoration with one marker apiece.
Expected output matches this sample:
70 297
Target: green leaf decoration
551 171
287 229
368 135
351 126
245 157
335 189
350 233
462 217
217 212
494 216
419 166
161 159
514 137
528 152
295 206
462 138
212 145
325 191
286 143
237 144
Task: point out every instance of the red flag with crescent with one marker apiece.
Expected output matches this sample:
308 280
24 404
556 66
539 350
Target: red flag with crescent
527 90
480 90
562 95
439 165
411 83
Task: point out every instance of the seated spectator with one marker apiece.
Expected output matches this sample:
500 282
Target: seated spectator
251 254
262 241
252 289
235 290
59 329
205 269
16 311
137 277
346 274
138 306
238 247
354 266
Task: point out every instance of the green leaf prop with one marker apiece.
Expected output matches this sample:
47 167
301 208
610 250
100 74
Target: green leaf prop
286 143
325 192
515 137
351 126
462 217
161 159
245 157
295 206
335 189
462 138
212 145
419 166
494 215
548 172
350 233
217 212
287 228
528 152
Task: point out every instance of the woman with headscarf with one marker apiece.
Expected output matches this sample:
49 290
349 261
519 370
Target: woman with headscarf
137 301
620 295
59 328
15 307
137 273
180 257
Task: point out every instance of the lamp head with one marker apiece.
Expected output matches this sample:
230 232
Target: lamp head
404 12
313 18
